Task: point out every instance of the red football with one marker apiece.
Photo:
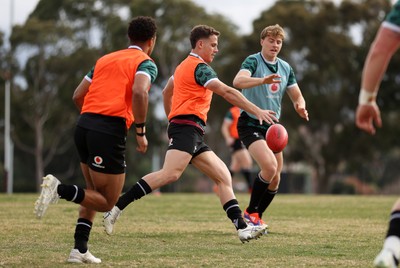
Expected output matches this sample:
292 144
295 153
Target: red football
276 137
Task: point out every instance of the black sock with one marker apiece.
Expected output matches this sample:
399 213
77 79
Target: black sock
394 224
247 176
71 193
259 187
82 232
234 213
394 228
265 201
140 189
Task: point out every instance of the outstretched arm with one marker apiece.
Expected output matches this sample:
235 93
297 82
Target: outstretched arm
236 98
243 80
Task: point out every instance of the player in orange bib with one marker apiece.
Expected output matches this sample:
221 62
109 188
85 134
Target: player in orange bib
187 99
112 96
241 160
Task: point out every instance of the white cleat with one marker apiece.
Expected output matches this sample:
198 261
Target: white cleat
109 219
385 259
251 232
76 257
47 196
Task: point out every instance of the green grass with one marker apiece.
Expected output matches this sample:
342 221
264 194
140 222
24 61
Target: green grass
191 230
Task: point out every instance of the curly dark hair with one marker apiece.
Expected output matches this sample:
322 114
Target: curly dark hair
141 29
201 31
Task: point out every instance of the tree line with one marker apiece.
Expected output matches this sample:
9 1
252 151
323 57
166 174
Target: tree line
326 44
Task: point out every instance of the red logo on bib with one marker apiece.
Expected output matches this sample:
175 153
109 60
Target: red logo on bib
274 88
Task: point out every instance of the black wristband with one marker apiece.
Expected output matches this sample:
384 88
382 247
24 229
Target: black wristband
140 124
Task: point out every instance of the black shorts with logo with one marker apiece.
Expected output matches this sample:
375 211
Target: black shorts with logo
101 143
186 133
250 130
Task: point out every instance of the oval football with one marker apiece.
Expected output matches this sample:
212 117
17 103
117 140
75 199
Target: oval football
277 138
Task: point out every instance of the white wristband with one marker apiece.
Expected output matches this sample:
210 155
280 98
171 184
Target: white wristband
366 97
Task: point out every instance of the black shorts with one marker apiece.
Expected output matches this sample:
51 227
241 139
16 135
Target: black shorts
187 138
102 152
250 130
237 145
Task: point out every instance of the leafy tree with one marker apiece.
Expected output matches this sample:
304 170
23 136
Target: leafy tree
41 104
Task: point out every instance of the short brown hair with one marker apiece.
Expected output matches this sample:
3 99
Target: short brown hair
274 31
201 31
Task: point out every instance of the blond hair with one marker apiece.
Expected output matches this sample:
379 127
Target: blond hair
274 31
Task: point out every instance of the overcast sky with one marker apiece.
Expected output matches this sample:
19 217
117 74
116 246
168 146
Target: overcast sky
241 12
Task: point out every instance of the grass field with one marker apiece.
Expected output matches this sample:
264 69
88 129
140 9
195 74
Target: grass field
191 230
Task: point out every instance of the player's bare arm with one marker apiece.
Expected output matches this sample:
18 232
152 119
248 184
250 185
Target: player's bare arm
243 80
167 95
139 106
368 115
377 62
298 101
80 93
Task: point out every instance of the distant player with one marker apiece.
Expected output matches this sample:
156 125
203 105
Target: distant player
241 160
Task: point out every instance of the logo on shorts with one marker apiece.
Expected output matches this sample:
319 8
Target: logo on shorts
170 142
98 160
256 134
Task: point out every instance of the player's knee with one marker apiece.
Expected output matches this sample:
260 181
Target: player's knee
274 184
269 171
172 178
